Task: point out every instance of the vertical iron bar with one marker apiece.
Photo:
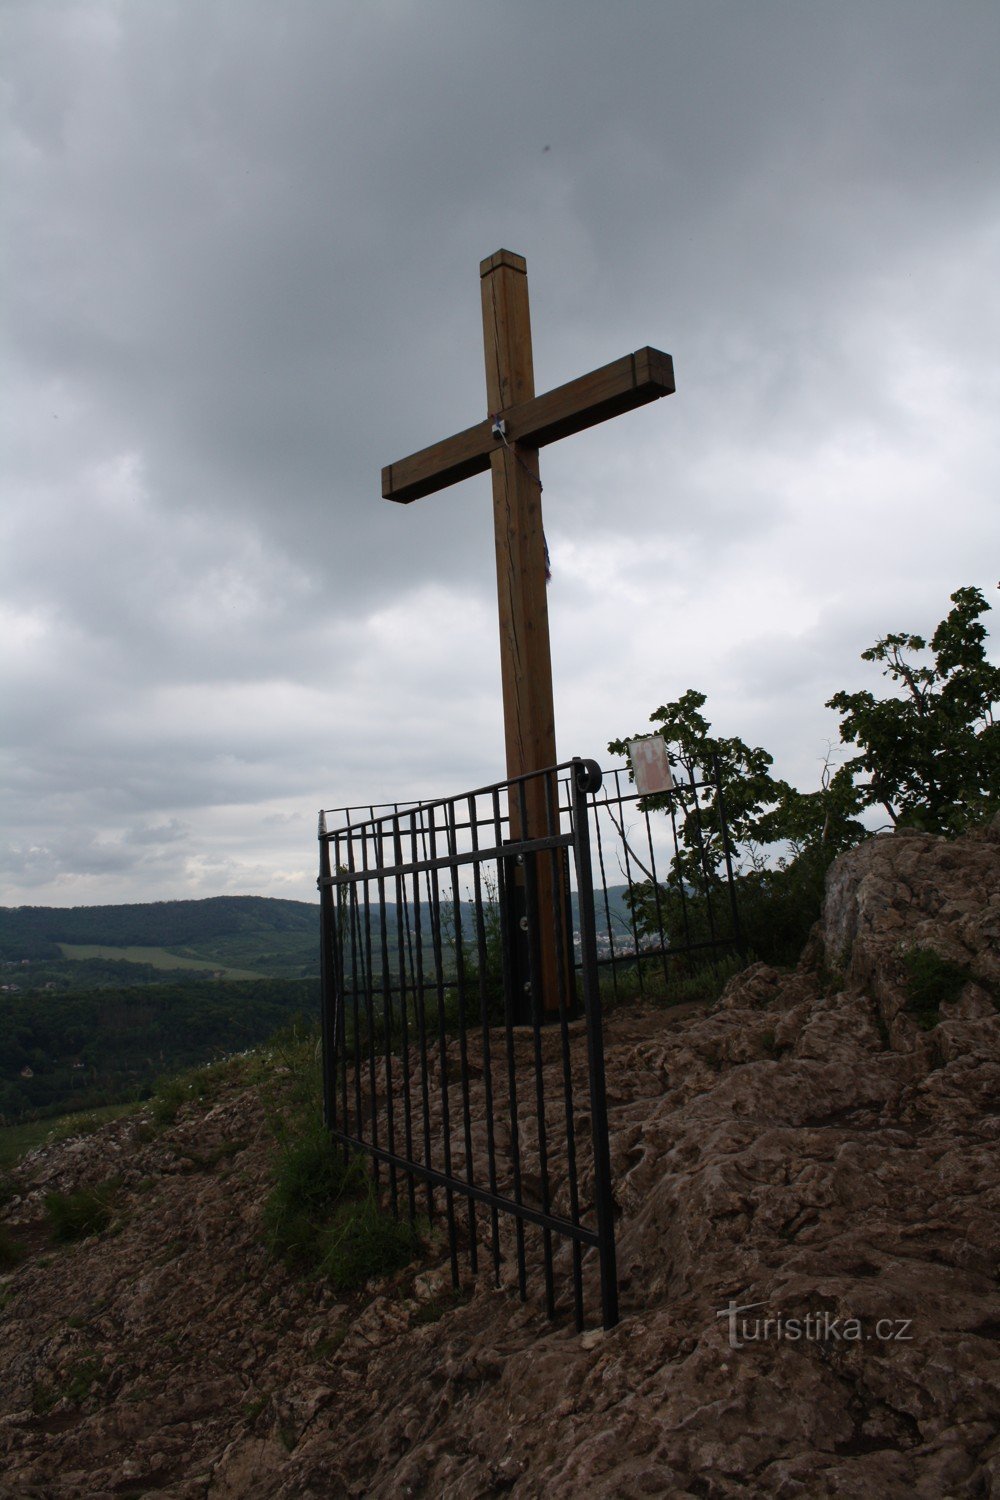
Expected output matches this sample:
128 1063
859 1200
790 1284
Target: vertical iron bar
509 1003
463 1049
583 782
402 918
343 918
535 919
421 1015
328 983
358 1131
370 1020
434 913
484 1021
724 828
572 1170
387 1019
607 904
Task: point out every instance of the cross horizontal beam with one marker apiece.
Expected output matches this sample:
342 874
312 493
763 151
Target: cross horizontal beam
619 387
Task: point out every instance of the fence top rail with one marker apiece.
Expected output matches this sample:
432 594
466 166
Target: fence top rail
370 815
365 874
564 771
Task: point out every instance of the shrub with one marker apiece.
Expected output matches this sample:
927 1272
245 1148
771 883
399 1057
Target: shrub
74 1216
362 1241
310 1179
170 1094
322 1215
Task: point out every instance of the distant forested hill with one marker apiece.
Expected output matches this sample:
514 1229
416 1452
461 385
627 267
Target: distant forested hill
154 924
236 936
246 934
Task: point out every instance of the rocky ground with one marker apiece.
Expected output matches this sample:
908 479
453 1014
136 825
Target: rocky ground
809 1194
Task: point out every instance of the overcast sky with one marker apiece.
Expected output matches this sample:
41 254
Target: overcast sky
242 251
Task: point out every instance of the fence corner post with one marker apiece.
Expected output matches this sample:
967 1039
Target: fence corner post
586 780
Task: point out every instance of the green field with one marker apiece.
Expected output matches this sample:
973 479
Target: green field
157 958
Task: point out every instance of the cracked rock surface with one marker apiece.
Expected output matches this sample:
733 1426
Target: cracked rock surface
808 1240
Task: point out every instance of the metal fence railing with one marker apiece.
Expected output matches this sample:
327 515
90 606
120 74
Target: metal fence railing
463 944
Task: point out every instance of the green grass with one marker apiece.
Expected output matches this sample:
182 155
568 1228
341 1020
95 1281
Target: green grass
322 1216
157 958
199 1085
17 1140
271 953
76 1216
83 1378
703 983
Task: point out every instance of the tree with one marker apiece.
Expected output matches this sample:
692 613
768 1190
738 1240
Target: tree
930 753
781 840
761 811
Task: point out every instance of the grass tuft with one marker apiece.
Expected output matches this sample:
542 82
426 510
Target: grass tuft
75 1216
362 1241
322 1216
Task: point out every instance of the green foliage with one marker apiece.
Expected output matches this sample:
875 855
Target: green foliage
930 756
360 1241
778 904
322 1216
479 969
158 924
310 1179
931 981
778 895
760 810
88 1050
170 1096
75 1216
81 1378
685 981
930 753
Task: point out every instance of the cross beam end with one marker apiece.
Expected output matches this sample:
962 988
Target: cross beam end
440 465
621 386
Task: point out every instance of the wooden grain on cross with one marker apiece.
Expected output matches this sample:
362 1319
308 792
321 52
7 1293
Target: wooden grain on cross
517 424
530 422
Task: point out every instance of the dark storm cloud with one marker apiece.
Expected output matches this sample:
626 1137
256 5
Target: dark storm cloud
244 242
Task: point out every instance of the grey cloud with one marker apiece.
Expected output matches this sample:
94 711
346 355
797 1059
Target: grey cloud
244 243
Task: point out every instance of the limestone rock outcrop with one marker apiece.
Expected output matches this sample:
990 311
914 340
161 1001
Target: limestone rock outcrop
808 1180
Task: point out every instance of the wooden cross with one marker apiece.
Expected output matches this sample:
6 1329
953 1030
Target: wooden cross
507 442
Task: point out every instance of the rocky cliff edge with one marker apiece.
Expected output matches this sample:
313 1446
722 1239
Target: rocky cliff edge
809 1240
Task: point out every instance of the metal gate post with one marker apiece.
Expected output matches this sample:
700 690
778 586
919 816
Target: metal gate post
587 778
328 978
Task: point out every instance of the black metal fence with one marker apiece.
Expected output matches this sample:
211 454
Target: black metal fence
665 894
463 953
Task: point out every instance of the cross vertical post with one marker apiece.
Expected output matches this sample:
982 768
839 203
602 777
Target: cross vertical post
525 656
525 660
507 443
